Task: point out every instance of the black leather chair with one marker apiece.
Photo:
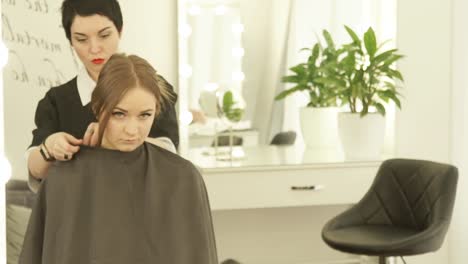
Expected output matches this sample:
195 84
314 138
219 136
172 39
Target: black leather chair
224 141
406 211
18 193
284 138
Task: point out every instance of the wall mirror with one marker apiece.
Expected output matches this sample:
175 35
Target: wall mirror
242 45
247 46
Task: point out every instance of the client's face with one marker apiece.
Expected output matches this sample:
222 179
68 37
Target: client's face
130 121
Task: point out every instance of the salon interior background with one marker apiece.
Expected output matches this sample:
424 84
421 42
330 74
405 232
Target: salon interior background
431 125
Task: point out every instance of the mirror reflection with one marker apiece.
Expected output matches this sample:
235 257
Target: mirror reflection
247 47
228 45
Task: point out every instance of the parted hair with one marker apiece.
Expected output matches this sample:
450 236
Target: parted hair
119 75
108 8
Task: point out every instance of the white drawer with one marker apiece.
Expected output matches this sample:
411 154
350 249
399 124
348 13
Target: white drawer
273 187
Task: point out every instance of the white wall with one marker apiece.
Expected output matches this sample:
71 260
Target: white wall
424 126
150 30
424 36
459 235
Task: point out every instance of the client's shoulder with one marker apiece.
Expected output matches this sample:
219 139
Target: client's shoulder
84 155
168 158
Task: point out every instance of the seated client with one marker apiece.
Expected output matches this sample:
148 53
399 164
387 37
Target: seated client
126 201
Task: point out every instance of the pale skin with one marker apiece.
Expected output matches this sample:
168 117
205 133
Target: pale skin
92 37
130 121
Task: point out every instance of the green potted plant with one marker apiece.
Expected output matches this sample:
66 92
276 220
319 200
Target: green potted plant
319 117
366 79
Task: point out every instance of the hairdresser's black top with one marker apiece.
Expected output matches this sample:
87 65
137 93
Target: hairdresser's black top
61 111
110 207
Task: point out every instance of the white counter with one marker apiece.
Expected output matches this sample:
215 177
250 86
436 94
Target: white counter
274 176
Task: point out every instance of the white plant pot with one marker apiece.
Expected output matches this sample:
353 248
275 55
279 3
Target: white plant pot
319 127
361 138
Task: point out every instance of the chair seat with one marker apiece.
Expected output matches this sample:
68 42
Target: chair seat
370 239
406 211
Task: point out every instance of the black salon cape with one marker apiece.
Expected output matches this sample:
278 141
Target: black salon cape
112 207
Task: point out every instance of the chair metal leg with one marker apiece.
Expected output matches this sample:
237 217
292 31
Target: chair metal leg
382 260
387 260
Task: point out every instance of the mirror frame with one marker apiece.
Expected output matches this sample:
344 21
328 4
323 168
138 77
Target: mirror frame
5 168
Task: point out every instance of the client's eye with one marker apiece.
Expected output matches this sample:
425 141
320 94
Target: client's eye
104 36
118 114
145 115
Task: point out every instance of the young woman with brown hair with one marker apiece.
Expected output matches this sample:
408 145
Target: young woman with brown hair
127 201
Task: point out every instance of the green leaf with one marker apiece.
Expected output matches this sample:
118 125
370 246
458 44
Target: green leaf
327 81
315 53
234 115
285 93
383 56
390 94
370 42
390 86
389 61
353 35
395 99
353 73
394 74
228 101
291 79
299 69
383 96
380 108
328 39
349 63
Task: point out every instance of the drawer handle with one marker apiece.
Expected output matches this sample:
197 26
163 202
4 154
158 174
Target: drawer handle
307 188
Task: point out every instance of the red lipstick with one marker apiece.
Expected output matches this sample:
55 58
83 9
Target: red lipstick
98 61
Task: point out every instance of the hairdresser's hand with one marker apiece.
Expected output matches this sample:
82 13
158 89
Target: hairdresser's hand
62 146
91 135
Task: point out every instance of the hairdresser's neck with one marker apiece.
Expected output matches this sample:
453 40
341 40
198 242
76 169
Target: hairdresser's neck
94 75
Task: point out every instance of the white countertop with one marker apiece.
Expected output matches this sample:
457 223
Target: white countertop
260 157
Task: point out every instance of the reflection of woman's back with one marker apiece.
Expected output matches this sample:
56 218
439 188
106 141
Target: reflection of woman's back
128 202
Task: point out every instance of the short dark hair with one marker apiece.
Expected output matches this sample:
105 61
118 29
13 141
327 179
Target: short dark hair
107 8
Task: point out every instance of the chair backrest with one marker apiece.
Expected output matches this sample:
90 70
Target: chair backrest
411 193
224 141
284 138
18 193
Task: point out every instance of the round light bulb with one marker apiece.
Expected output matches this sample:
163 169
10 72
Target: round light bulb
185 30
194 10
238 52
186 118
221 10
211 87
237 28
238 76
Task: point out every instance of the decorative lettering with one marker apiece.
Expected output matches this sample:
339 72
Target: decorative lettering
38 6
26 38
19 75
51 76
9 2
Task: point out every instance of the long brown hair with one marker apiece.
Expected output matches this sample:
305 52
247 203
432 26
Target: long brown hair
119 75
